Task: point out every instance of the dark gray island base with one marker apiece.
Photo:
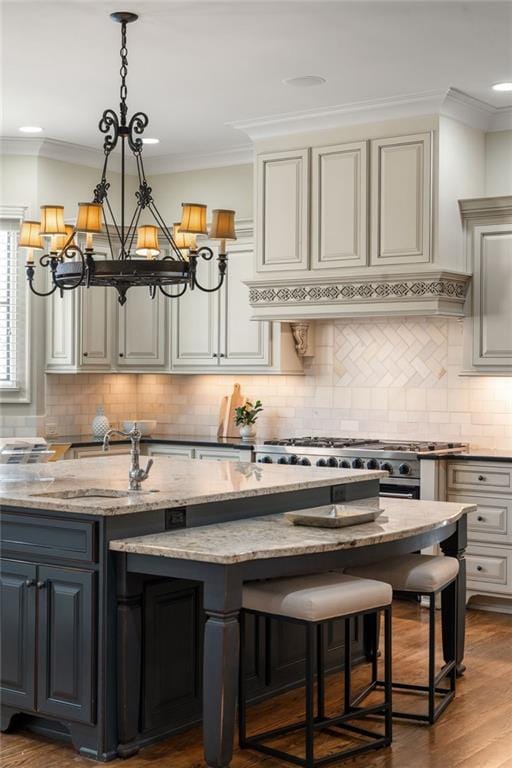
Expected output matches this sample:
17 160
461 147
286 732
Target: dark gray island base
106 647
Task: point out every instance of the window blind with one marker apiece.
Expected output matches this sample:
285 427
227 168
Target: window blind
12 320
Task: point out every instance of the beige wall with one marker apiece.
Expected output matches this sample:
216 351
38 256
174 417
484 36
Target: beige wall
498 147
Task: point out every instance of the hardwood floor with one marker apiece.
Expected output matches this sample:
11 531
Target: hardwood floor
475 732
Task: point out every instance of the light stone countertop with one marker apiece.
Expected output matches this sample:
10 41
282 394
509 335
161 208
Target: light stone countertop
274 536
173 482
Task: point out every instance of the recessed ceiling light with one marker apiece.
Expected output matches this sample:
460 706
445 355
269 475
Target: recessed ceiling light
502 87
306 81
150 141
30 129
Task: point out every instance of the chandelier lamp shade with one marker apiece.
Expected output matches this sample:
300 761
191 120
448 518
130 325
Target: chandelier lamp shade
153 255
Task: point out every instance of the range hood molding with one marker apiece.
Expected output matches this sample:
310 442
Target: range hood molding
428 292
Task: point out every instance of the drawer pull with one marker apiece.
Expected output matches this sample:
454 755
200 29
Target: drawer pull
41 584
481 519
482 478
30 582
479 568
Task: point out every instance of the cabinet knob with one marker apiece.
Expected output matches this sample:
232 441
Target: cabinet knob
86 354
30 582
41 584
479 568
480 519
121 354
222 354
215 354
482 478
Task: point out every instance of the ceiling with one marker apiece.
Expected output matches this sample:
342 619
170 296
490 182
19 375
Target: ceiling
195 66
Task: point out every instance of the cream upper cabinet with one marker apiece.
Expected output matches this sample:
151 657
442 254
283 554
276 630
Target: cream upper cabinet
492 295
96 327
143 331
61 335
195 323
283 210
242 342
401 184
339 206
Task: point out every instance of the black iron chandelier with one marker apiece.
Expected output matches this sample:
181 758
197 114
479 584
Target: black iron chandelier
71 257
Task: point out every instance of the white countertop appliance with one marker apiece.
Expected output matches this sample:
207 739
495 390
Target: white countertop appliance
401 459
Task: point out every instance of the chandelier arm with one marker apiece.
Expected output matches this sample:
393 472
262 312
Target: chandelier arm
30 278
83 272
174 295
209 290
165 230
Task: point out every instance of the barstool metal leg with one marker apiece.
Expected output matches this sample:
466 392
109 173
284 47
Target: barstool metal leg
241 685
320 671
310 686
431 657
348 666
388 674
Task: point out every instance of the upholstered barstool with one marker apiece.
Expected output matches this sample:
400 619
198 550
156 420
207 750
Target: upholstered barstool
311 601
428 576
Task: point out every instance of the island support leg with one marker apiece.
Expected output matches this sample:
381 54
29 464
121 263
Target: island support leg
222 602
129 658
453 601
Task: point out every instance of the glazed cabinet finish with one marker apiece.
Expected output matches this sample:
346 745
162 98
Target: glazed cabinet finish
492 296
143 331
339 206
96 328
282 210
401 184
48 636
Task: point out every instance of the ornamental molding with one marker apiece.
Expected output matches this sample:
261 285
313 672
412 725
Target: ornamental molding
448 102
475 208
352 292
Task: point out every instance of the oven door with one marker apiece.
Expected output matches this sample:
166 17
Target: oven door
392 491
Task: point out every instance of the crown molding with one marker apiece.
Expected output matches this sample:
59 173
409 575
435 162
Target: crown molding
193 161
77 154
451 103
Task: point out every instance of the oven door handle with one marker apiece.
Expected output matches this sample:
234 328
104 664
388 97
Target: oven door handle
397 495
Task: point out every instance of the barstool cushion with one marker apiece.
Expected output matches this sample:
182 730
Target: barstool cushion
316 597
411 573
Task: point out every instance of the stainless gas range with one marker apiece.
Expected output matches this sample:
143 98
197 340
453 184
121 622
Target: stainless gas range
401 459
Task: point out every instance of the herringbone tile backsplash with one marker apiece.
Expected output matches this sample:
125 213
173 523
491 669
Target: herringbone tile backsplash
394 377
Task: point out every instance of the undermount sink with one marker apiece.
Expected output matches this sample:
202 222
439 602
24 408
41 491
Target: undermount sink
87 493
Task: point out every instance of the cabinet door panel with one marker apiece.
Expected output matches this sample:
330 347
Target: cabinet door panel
242 340
143 333
18 612
96 327
401 200
173 638
195 323
61 348
492 292
67 664
283 210
339 206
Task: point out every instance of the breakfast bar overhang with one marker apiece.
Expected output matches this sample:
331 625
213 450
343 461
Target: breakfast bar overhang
223 556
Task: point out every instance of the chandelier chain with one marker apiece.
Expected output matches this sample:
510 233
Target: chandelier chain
123 91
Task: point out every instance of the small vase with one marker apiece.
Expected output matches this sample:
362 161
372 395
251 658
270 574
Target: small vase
100 423
247 431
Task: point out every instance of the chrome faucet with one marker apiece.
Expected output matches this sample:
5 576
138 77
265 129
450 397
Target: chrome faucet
136 474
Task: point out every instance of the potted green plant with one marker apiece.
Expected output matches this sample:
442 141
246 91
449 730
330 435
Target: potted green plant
245 418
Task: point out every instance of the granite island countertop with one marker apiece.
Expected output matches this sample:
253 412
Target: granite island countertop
98 486
205 441
274 536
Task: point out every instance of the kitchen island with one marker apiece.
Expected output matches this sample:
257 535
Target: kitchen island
107 595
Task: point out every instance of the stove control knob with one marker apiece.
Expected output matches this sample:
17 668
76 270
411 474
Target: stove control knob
358 464
332 462
282 460
404 469
305 462
372 464
266 460
293 459
321 463
345 464
387 467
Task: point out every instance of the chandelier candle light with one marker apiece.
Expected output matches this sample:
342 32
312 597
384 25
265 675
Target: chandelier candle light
71 257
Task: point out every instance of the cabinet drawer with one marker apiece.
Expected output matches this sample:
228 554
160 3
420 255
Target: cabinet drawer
492 520
489 569
49 537
485 477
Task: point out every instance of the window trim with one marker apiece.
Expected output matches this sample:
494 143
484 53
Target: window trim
23 392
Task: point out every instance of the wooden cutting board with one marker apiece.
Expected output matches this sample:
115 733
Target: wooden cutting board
227 427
